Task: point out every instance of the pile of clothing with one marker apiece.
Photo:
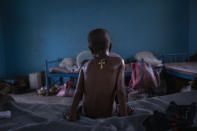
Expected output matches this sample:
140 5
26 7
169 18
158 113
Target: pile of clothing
5 100
5 87
68 89
69 65
177 117
16 85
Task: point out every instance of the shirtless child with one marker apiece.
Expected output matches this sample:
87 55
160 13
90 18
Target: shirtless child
100 80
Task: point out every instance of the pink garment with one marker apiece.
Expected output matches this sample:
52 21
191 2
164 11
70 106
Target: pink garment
142 77
68 89
62 91
69 92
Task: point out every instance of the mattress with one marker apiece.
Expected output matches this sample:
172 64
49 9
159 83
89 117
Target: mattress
187 68
49 117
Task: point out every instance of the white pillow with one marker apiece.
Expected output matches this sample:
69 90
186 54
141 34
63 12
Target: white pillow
148 57
84 55
67 63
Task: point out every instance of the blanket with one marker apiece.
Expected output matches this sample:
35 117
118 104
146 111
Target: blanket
41 117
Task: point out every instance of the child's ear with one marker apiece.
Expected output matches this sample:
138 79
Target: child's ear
110 46
92 51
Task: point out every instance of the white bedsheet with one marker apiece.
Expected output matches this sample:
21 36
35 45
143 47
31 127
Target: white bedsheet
41 117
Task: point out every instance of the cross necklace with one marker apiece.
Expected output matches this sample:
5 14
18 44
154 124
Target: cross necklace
102 62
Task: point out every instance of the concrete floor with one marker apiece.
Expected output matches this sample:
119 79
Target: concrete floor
34 98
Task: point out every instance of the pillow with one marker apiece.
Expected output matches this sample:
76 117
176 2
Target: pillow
148 57
82 56
67 63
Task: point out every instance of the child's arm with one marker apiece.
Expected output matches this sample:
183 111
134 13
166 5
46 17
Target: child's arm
78 96
121 90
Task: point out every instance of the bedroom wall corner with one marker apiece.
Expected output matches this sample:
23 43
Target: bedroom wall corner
2 47
193 27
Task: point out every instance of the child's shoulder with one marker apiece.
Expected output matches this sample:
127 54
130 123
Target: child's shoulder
116 58
113 58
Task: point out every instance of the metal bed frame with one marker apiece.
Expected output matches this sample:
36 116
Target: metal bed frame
49 76
166 58
175 57
178 57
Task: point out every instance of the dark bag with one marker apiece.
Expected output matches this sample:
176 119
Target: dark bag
176 117
19 89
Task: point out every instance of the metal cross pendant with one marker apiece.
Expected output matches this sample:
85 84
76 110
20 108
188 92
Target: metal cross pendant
101 63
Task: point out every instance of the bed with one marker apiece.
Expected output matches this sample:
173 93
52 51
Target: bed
186 70
178 71
60 73
41 117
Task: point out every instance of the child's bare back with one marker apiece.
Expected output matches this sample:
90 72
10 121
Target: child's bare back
100 85
100 80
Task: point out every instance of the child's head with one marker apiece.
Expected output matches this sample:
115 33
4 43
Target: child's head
99 41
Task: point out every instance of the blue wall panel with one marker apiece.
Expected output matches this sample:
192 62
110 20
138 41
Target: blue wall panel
47 29
193 27
2 49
